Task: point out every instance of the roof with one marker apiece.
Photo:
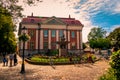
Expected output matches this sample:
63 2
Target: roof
38 19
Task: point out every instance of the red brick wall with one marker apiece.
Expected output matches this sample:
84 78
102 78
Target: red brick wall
73 39
32 37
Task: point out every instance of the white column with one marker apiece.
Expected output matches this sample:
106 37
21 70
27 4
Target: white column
41 39
36 47
81 47
78 40
65 34
49 39
57 38
69 39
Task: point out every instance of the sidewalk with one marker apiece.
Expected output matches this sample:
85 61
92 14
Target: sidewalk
59 72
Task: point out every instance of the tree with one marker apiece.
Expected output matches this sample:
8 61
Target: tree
96 33
84 46
100 43
114 37
7 36
97 39
13 7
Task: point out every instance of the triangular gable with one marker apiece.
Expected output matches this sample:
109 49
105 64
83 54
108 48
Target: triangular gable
54 20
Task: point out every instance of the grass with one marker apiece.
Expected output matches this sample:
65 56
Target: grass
55 60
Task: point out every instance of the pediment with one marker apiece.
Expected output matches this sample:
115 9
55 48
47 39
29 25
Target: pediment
54 20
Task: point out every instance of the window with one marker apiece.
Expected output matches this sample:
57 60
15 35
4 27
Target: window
73 34
31 33
45 33
45 45
53 33
32 45
61 33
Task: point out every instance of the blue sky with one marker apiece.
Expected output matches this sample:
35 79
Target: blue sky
106 20
91 13
102 13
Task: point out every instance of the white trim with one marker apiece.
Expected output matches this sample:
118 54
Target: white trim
41 39
36 39
57 39
68 39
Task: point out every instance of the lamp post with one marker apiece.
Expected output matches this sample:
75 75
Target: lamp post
39 28
23 65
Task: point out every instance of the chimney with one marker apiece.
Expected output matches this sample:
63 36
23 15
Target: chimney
32 14
69 16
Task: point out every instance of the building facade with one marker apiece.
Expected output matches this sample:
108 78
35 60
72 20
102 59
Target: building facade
45 32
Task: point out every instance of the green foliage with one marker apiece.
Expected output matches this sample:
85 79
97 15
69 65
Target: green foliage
109 75
115 63
114 72
14 9
84 46
56 60
100 43
7 36
114 37
96 33
24 37
54 52
87 56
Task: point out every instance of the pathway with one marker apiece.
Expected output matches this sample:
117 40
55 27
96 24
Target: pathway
59 72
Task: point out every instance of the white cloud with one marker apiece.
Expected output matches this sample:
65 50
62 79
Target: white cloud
92 7
117 8
114 27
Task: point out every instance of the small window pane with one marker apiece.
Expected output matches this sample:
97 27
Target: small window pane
45 33
61 33
73 34
53 33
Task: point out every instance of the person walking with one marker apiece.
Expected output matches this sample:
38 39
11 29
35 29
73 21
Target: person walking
11 59
4 61
15 59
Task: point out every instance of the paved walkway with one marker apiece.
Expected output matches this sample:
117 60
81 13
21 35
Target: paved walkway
59 72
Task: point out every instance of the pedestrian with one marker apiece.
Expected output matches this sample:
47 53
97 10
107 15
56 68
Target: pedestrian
15 59
11 59
4 61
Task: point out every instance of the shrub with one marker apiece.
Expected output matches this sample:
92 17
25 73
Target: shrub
108 76
114 72
89 57
115 63
54 52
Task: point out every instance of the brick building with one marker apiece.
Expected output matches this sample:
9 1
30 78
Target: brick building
46 31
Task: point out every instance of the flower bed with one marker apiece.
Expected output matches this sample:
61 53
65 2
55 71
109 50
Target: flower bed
47 60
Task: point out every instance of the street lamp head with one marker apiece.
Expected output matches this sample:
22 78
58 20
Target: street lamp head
24 28
39 25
